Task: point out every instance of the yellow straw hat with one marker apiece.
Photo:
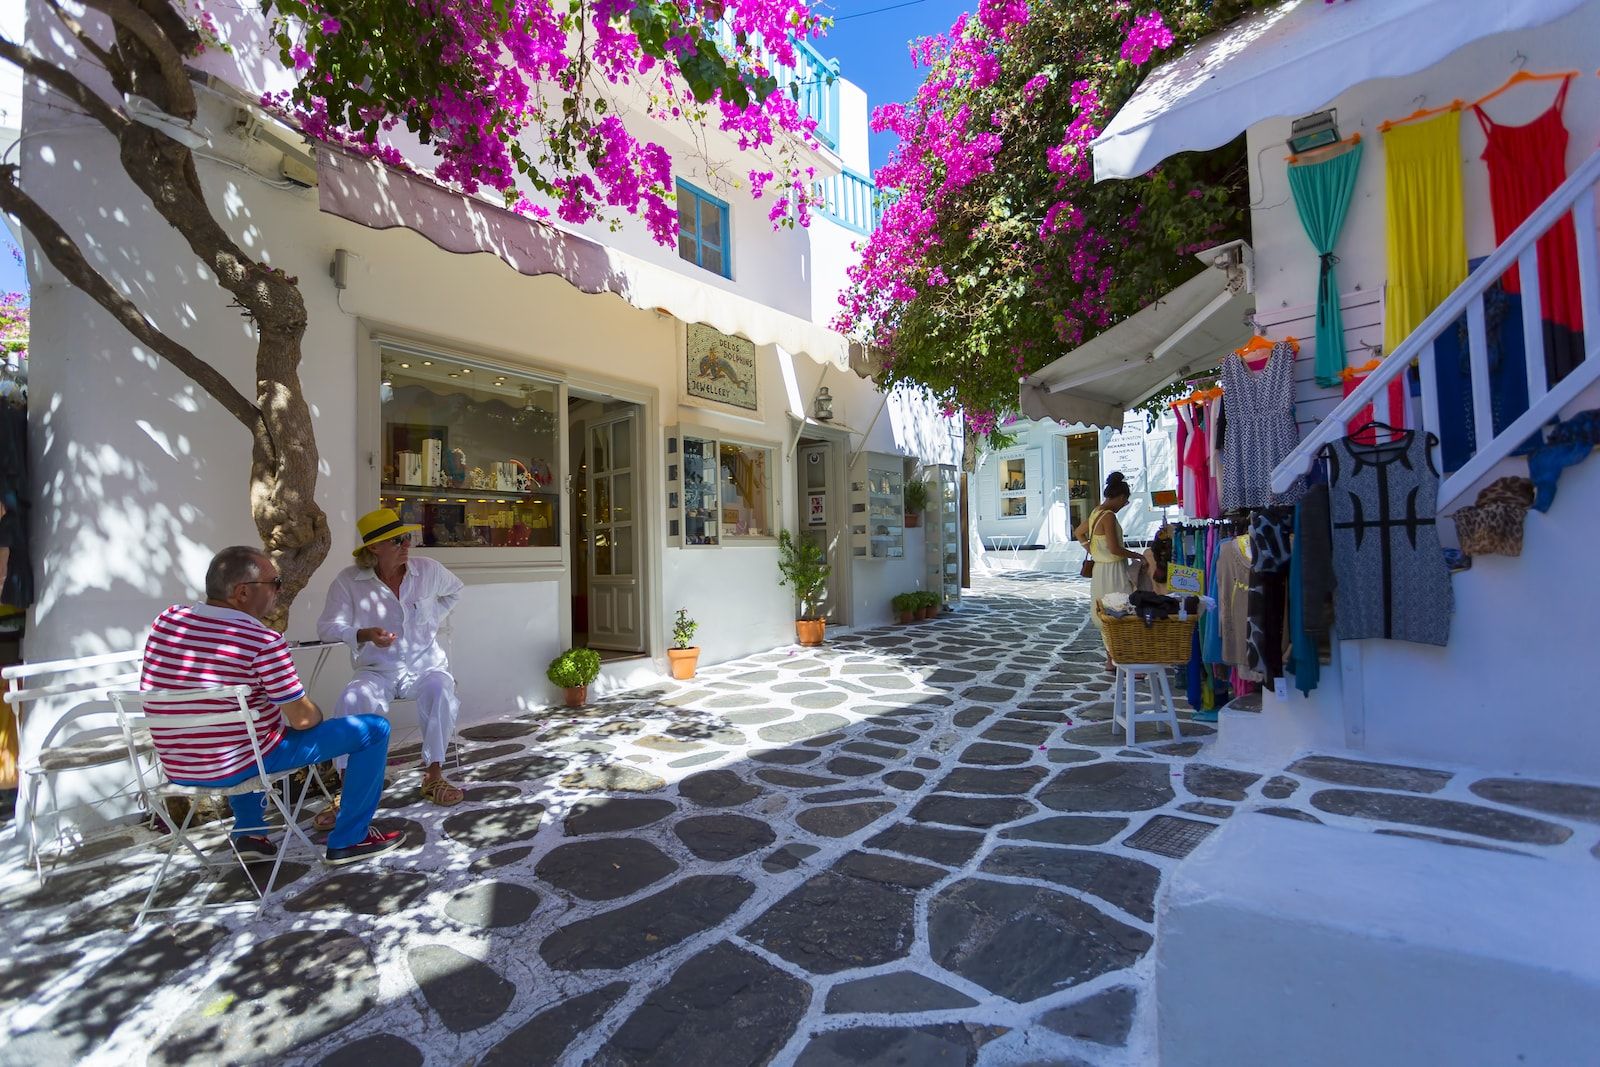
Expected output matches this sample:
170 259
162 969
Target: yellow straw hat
380 525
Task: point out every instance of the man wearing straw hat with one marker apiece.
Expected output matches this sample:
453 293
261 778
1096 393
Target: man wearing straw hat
388 608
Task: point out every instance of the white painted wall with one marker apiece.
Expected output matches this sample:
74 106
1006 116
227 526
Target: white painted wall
1510 690
1470 958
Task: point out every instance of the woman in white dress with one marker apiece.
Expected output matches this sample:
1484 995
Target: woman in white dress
1115 565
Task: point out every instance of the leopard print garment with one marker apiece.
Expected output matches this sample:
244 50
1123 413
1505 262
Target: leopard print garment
1493 525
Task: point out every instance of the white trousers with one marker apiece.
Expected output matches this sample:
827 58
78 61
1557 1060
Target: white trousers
370 693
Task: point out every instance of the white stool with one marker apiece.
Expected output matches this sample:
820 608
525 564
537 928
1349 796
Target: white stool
1129 708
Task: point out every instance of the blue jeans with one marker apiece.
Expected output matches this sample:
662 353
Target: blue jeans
364 738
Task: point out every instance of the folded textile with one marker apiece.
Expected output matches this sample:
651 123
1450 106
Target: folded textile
1493 525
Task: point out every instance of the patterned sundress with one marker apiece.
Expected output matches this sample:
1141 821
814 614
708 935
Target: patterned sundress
1259 407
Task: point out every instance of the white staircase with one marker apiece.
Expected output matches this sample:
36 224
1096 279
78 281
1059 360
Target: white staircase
1575 197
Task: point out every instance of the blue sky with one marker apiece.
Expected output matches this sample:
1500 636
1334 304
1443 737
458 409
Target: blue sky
13 279
870 44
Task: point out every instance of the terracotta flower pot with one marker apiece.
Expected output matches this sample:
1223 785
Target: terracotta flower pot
809 632
683 661
576 695
927 613
905 616
913 518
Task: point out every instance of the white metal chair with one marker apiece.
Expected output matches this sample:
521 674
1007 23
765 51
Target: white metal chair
133 713
82 685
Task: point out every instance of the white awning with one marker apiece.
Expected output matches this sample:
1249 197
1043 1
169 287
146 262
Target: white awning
382 198
1289 61
1184 332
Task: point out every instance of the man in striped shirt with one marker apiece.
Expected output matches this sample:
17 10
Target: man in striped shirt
223 642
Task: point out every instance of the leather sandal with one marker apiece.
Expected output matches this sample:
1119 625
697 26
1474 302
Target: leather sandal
440 792
325 818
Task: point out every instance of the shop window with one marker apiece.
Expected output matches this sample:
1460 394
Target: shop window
703 230
469 452
1083 475
886 512
746 490
1014 487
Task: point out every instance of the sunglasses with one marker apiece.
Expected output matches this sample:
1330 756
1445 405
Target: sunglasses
276 583
402 539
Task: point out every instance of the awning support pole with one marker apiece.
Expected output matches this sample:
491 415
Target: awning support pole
868 432
794 442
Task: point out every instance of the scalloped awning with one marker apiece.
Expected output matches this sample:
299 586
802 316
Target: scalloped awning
381 197
1291 60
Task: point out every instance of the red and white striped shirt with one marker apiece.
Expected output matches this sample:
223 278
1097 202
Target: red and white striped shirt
204 647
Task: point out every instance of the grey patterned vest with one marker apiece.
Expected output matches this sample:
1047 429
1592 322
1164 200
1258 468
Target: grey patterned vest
1391 574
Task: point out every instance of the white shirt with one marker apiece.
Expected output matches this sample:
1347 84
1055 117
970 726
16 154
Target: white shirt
359 599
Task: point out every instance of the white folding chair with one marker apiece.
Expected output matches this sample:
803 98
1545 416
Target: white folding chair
134 714
81 685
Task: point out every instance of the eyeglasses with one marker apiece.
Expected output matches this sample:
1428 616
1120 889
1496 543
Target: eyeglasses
276 583
403 539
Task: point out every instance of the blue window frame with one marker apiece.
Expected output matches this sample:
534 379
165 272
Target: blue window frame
703 237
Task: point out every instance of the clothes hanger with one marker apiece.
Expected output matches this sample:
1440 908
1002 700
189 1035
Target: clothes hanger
1327 151
1525 76
1427 112
1377 427
1365 368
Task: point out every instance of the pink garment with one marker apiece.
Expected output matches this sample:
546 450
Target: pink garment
1213 419
1183 437
1196 466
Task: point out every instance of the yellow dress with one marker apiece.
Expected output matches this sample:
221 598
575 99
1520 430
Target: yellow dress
1426 232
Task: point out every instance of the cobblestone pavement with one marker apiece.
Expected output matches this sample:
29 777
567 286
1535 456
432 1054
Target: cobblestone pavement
915 845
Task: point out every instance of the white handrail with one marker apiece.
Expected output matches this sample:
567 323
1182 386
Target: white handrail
1575 195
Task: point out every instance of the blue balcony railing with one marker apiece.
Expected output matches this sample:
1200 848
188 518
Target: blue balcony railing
851 200
813 82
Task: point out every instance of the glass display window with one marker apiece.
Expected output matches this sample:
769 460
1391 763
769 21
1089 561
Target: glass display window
1083 475
1013 475
718 491
470 452
886 513
746 490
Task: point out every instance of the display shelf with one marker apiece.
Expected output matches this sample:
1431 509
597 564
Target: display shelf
942 541
459 495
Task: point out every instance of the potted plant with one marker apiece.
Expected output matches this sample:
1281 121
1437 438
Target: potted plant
916 502
572 671
683 655
803 567
904 606
928 604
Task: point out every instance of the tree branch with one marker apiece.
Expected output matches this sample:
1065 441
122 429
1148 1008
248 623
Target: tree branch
65 84
66 257
163 50
107 59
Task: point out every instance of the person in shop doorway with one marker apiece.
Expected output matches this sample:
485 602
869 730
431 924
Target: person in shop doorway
388 609
1116 566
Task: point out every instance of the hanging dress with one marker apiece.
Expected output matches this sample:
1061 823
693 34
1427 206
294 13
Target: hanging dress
1196 467
1425 228
1526 164
1261 429
1389 570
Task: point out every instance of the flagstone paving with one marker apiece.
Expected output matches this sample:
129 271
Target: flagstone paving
919 844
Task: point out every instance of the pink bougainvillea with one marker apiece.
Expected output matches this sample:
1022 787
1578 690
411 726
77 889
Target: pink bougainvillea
515 92
996 250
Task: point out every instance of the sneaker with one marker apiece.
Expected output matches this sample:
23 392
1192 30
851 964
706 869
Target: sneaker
255 849
376 843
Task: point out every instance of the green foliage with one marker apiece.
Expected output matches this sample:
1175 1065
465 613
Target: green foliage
574 668
803 567
901 603
926 599
916 496
683 629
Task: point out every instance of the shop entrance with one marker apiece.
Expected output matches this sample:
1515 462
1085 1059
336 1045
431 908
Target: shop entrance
607 556
823 505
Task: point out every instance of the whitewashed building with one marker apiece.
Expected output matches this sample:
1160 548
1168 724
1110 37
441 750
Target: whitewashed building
1030 496
536 407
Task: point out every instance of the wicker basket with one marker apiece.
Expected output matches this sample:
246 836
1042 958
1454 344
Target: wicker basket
1129 640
